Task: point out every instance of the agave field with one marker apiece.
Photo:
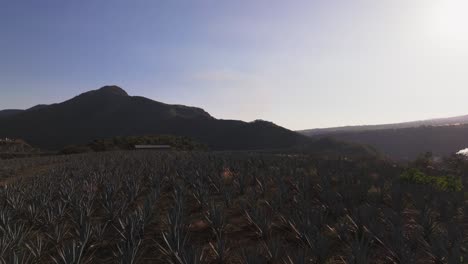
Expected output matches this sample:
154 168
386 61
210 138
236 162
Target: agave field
189 207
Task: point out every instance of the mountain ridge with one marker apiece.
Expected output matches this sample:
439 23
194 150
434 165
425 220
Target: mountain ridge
446 121
110 111
405 141
11 112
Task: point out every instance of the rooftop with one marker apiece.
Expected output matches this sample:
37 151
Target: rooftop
152 146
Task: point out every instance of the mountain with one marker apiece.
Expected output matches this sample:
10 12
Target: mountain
326 147
110 111
37 107
409 143
429 122
9 112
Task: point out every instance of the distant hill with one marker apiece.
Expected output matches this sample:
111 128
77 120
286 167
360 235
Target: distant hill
110 112
409 143
331 147
404 141
430 122
11 112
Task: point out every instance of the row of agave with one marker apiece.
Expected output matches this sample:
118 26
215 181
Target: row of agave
182 207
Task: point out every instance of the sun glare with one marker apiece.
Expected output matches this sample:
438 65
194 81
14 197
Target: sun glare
448 21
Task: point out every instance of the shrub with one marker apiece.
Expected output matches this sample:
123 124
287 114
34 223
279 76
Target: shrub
441 183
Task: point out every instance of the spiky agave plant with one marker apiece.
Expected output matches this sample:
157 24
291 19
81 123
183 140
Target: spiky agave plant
131 188
445 246
57 233
301 256
261 220
360 249
253 256
99 230
192 255
76 250
17 233
131 232
241 181
81 219
54 212
359 238
274 248
396 242
148 212
220 248
6 246
33 212
17 257
72 252
215 216
14 197
200 193
113 203
5 218
36 248
175 238
428 223
456 235
308 227
228 195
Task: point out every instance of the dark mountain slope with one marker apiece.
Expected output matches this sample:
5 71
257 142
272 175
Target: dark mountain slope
408 143
9 112
12 112
110 112
430 122
37 107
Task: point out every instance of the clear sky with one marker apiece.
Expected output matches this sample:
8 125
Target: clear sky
301 63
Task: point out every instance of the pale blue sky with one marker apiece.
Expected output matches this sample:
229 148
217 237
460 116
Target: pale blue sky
301 64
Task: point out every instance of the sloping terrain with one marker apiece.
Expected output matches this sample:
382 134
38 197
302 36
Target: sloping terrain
409 143
430 122
110 112
9 112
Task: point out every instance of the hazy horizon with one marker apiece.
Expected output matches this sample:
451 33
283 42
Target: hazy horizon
301 64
